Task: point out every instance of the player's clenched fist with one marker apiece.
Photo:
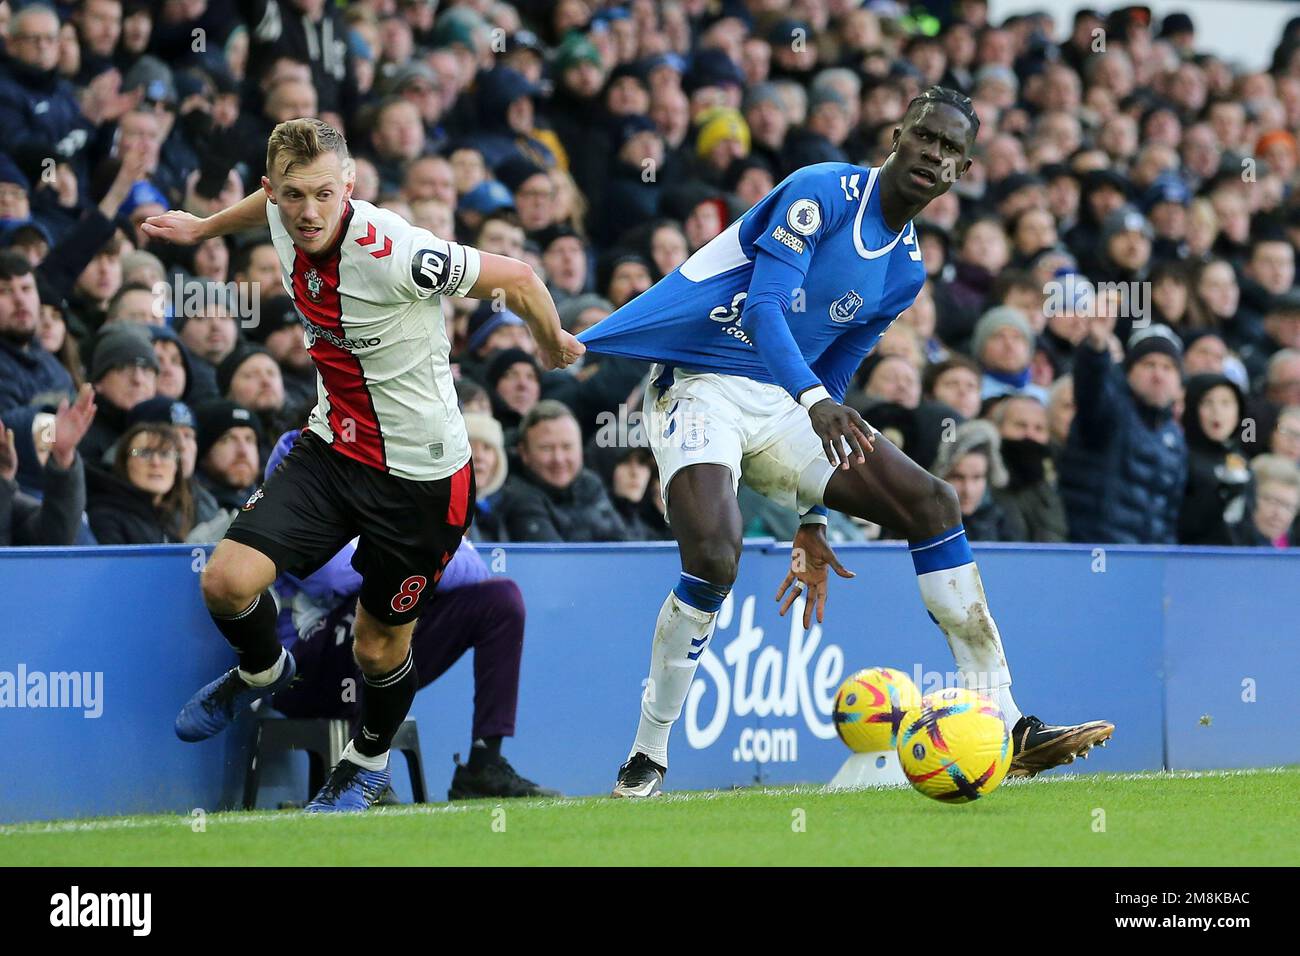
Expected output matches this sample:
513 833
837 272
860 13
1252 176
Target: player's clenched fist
839 426
562 353
1101 327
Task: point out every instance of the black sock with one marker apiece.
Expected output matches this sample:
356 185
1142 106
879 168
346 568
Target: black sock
384 705
483 751
251 633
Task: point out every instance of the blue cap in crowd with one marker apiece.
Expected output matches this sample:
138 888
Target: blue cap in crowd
14 229
486 198
673 61
496 89
712 68
161 410
484 321
1125 219
10 173
631 126
1166 189
141 194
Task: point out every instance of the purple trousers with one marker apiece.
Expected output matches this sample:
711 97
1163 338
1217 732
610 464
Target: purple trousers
487 617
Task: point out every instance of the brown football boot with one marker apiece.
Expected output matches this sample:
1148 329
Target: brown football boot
1037 746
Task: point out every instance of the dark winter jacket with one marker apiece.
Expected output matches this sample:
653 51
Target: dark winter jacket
917 431
1125 463
531 510
1031 495
1216 471
582 126
642 517
959 303
1037 509
225 496
803 147
120 513
68 259
629 200
27 372
52 521
602 391
40 117
279 28
108 426
991 522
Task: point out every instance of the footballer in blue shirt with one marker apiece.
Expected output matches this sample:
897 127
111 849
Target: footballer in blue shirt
755 339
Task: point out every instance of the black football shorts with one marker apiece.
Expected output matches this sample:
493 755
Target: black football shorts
319 499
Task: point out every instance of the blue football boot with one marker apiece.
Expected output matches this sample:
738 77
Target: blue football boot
213 708
350 789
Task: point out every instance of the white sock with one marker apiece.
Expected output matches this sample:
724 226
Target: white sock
351 753
955 596
266 677
679 631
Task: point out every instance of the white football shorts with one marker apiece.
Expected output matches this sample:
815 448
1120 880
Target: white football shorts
755 429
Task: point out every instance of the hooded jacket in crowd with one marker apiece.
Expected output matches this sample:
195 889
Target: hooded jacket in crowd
1216 471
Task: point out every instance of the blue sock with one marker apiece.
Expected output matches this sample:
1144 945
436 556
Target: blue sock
950 549
700 594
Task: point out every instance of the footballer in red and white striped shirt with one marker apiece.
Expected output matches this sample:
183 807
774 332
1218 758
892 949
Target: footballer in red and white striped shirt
384 457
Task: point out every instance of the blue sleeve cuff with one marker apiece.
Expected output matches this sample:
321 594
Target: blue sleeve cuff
817 514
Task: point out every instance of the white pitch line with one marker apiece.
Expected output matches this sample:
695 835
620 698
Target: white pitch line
185 821
1152 775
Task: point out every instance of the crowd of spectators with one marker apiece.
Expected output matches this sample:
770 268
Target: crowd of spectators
1107 348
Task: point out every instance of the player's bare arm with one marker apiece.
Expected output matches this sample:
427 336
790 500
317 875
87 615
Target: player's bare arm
527 296
186 229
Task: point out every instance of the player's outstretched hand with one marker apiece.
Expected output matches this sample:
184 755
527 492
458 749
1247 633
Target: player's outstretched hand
564 352
837 426
175 226
809 559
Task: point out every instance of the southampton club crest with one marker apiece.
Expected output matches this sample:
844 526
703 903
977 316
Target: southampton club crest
313 285
846 307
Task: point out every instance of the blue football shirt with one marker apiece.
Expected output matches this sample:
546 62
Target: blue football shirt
825 222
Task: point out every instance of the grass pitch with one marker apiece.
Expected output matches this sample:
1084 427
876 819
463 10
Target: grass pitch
1160 819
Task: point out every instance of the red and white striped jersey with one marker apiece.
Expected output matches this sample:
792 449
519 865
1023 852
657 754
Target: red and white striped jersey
371 309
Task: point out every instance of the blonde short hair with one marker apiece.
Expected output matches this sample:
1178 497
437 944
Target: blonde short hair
1275 468
301 141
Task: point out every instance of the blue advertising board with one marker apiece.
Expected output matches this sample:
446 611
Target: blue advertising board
1188 651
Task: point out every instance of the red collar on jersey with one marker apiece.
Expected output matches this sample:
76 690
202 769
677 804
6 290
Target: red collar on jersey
332 249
